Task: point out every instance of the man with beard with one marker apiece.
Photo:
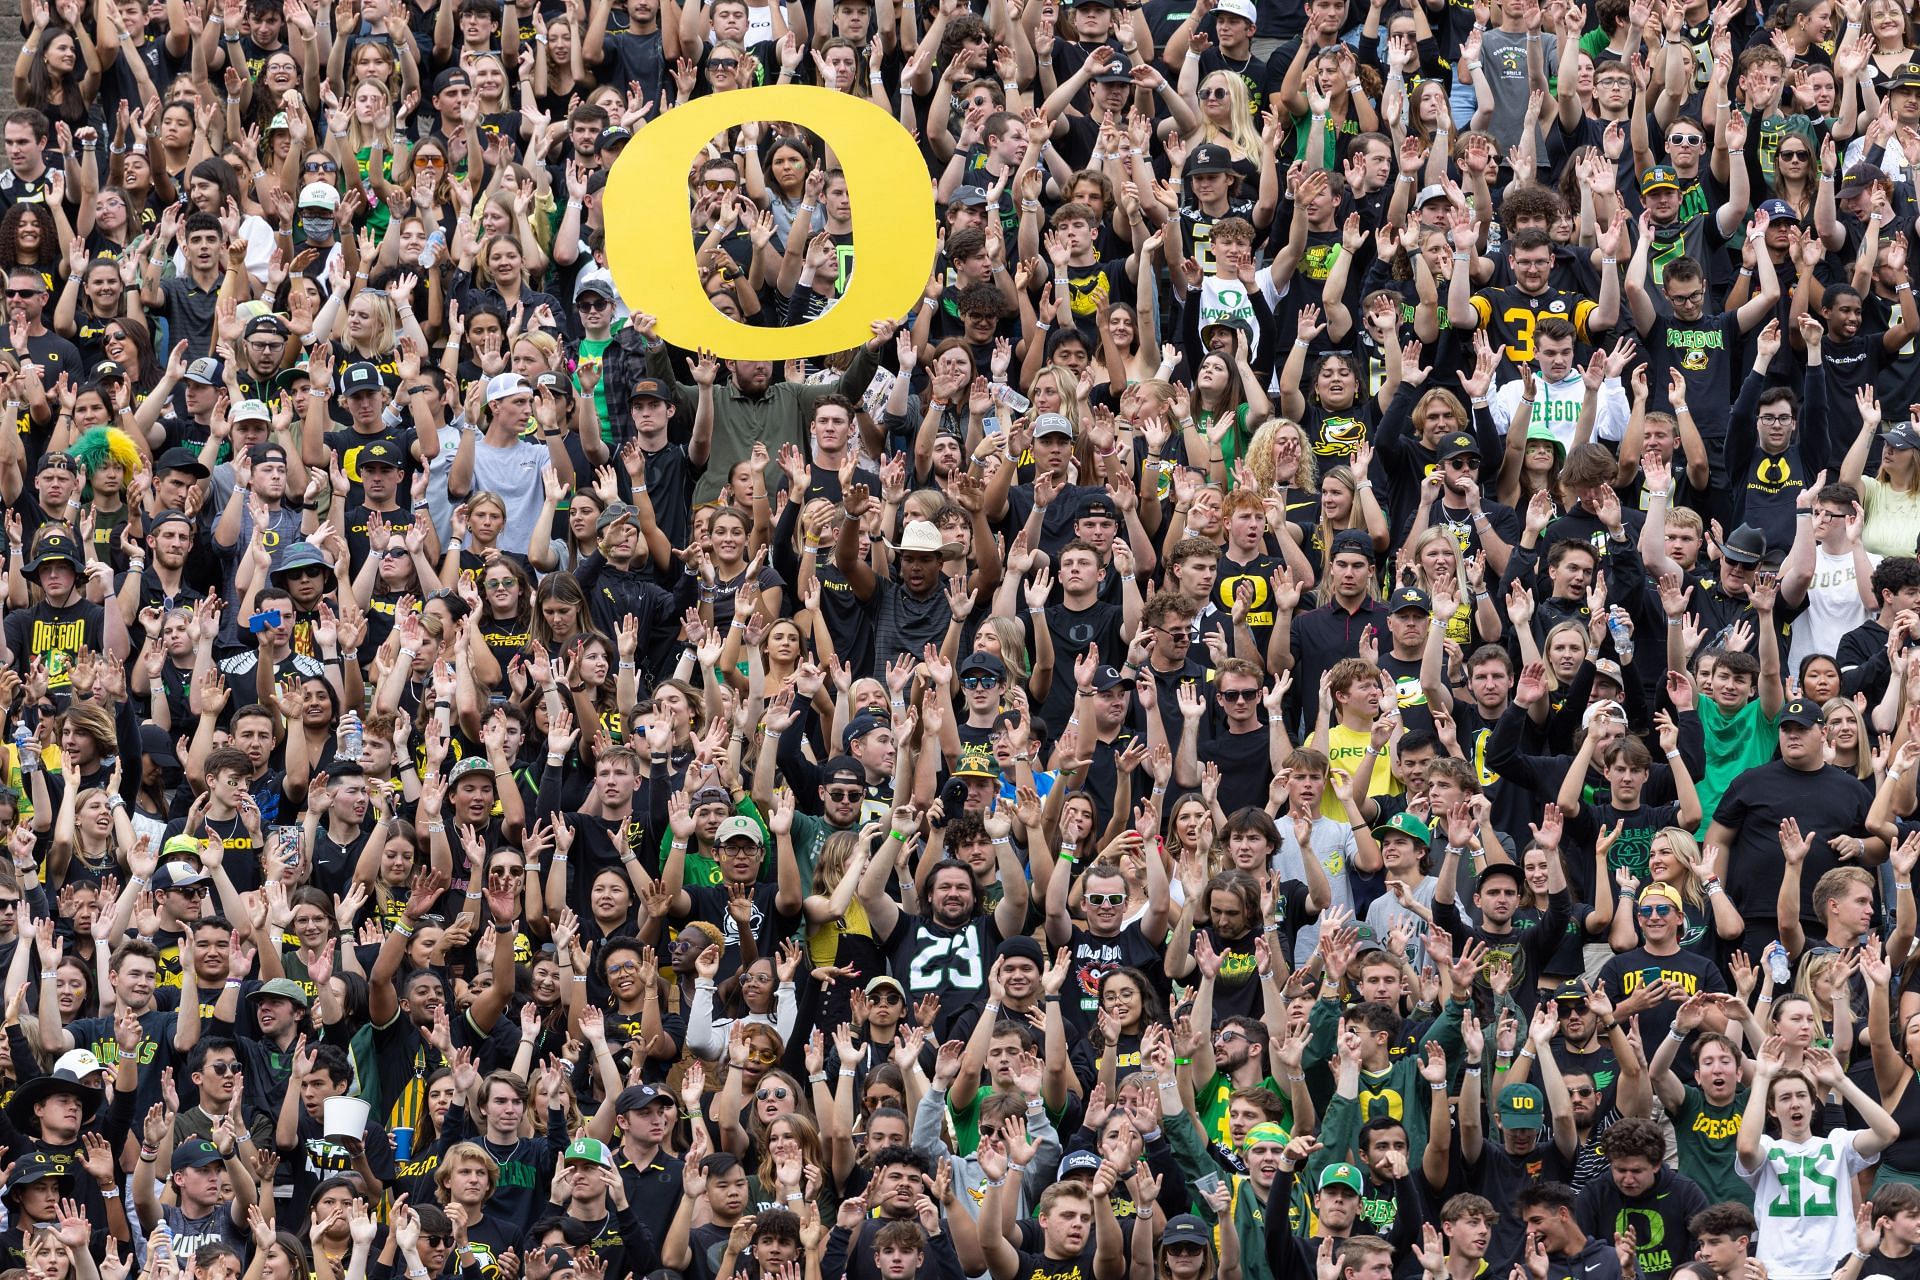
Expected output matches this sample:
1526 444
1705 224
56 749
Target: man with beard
159 586
944 952
752 408
1108 940
1584 1045
259 355
413 1032
64 622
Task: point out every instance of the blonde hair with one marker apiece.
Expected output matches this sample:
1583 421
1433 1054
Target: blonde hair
1863 753
458 1152
1546 646
1013 646
1685 850
1260 457
1239 131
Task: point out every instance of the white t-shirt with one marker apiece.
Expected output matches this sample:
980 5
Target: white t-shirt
1833 607
1803 1199
1558 408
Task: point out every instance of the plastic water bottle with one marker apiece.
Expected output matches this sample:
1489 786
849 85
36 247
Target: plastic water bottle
22 739
1009 397
1622 635
1777 964
352 741
435 243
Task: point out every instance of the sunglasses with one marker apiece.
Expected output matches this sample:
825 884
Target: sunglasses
1465 462
1106 899
874 1101
1237 695
429 162
1656 910
192 891
438 1241
722 64
592 302
1573 1006
224 1068
1793 155
767 1057
979 682
324 166
713 186
1686 140
778 1091
1214 94
23 293
497 583
844 795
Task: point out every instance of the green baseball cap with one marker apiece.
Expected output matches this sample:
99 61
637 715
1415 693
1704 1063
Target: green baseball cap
1404 823
1343 1175
591 1150
1522 1107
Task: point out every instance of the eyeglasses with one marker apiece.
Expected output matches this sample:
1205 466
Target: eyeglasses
1237 695
843 795
1106 899
1215 94
324 166
1655 910
621 970
1681 299
1686 140
1775 419
1820 514
979 682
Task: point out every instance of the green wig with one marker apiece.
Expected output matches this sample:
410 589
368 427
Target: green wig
98 446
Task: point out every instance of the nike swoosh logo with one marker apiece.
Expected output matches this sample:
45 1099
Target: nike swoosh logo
1591 1266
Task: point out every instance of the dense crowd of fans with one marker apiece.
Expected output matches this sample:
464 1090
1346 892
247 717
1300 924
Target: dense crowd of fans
1381 560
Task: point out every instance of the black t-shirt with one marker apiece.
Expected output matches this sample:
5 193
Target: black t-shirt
771 926
930 959
1827 802
1093 957
1690 972
55 635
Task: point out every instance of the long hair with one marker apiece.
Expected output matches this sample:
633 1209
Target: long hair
1264 467
1239 131
10 231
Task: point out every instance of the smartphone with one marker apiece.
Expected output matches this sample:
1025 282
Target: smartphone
265 618
1651 974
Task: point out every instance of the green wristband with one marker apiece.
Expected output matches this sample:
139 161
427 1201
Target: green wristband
901 836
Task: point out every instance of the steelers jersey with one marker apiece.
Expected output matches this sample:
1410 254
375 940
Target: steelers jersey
1509 317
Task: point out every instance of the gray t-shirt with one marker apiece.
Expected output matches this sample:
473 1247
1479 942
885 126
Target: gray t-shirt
514 474
1503 58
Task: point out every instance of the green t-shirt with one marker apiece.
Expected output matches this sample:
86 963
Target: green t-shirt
1212 1100
1744 740
591 351
1705 1136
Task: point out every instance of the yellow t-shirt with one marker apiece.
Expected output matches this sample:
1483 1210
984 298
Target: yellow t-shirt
1893 519
1347 749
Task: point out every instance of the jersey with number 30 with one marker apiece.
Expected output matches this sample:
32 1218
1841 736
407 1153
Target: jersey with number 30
1803 1197
1509 317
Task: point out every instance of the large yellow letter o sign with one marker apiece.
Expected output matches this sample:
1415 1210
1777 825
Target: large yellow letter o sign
652 258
